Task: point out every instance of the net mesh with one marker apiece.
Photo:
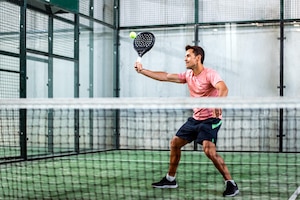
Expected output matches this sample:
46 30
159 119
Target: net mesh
114 148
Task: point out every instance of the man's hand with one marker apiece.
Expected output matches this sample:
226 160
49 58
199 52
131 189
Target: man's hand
138 67
218 112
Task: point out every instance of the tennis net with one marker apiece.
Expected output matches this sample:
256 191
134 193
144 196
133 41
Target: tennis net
114 148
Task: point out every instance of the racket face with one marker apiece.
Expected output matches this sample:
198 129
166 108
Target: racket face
143 42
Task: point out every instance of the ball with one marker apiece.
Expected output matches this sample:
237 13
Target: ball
132 35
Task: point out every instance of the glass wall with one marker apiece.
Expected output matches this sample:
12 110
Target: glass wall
241 40
292 59
47 52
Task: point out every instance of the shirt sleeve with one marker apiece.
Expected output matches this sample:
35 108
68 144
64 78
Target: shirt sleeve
182 77
214 77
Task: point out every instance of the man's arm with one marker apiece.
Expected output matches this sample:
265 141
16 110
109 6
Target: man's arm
160 76
223 92
222 89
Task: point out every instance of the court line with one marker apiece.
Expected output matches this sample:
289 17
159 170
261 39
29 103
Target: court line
295 194
185 162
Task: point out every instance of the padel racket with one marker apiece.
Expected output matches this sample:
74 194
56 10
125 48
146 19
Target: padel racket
143 42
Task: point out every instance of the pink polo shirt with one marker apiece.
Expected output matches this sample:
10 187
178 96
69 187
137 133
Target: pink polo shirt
202 85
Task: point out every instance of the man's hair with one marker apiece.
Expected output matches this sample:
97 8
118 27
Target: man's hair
197 51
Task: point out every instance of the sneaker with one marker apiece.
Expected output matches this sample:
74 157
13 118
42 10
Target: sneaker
165 183
231 189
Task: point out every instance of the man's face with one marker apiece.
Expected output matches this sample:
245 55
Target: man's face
190 59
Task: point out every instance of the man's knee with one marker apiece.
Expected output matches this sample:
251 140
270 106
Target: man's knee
209 149
210 154
177 142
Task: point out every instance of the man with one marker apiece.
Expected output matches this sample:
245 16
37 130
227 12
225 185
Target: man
205 123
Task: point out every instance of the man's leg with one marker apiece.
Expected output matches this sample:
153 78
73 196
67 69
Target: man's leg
175 152
211 152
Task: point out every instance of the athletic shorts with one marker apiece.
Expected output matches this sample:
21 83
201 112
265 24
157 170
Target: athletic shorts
200 130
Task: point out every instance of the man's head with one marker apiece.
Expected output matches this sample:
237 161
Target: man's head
197 51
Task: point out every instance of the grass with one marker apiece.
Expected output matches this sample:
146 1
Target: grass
128 175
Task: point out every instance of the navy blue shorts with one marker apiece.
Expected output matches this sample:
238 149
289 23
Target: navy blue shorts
200 130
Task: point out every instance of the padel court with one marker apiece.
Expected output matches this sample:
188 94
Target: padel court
78 122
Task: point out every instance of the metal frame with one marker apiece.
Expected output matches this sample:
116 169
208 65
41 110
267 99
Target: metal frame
23 76
281 73
116 71
23 80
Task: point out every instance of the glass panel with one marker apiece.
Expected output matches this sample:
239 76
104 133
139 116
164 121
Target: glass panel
10 27
103 61
63 78
292 60
247 57
63 39
242 10
37 31
143 13
37 73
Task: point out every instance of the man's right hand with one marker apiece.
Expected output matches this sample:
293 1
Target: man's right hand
138 67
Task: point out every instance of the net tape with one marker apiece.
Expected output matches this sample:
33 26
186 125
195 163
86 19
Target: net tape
150 103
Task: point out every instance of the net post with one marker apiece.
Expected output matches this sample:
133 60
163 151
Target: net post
195 146
23 133
91 127
76 131
50 131
281 135
117 129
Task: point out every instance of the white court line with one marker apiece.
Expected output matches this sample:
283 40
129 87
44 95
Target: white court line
295 194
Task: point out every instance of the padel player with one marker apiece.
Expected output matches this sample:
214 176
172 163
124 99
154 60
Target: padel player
203 127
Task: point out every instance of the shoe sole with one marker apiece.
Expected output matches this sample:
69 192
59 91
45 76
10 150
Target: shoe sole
232 195
165 186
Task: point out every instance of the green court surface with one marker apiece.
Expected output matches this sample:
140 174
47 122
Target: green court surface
128 174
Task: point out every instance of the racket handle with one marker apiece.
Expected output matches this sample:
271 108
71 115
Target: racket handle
139 59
